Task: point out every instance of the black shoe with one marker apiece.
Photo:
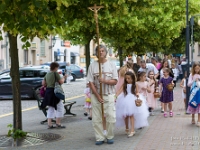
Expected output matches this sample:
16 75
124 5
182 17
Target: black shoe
85 113
99 142
150 109
51 127
90 118
60 126
110 141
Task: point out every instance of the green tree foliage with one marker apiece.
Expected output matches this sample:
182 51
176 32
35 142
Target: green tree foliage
134 25
27 19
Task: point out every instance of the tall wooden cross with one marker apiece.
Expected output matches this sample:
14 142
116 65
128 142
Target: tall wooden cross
95 9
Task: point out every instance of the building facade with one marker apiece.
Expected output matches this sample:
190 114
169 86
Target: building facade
111 55
40 51
196 53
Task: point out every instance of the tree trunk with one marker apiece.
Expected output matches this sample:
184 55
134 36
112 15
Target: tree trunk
120 56
87 55
14 73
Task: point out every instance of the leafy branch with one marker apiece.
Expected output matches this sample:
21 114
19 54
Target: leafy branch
15 133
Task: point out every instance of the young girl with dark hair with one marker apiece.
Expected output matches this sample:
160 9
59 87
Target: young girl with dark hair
126 109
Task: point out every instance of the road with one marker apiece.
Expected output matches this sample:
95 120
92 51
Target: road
71 90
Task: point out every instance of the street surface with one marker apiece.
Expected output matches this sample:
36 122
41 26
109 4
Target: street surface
73 89
176 133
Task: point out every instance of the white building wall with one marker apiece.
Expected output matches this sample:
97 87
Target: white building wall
196 54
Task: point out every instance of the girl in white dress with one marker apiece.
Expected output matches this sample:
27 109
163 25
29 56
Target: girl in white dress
126 110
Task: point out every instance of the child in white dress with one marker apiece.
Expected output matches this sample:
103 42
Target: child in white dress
88 106
152 102
126 110
143 88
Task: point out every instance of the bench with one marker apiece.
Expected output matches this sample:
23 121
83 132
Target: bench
67 105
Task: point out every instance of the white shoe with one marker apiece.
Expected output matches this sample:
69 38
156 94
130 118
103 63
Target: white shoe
152 114
131 134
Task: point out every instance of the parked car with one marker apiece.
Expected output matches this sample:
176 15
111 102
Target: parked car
76 71
30 78
62 66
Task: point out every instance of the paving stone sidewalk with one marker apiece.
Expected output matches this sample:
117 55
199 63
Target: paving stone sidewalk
176 133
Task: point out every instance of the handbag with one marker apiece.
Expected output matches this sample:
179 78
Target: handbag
88 100
42 91
58 90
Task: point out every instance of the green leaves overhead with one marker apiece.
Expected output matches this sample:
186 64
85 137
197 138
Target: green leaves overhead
33 17
145 25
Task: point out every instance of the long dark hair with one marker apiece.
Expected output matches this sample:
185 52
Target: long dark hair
133 77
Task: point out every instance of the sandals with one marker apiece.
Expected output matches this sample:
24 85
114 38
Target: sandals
127 131
171 114
131 134
198 124
51 127
59 126
165 115
193 121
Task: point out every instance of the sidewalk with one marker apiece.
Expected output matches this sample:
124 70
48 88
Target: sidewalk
175 133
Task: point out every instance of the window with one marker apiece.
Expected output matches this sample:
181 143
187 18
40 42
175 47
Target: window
62 43
82 60
42 48
25 57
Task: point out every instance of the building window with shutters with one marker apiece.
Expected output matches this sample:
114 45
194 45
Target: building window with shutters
42 48
83 60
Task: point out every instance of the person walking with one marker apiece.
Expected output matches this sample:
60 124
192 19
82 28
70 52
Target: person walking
166 95
147 67
165 65
152 103
122 71
155 62
136 66
125 105
55 105
194 77
142 112
109 80
88 106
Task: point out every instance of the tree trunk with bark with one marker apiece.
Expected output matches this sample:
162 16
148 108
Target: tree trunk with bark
14 73
120 56
87 55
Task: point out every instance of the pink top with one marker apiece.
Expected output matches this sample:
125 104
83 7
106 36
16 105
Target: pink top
192 79
120 81
119 84
141 85
159 65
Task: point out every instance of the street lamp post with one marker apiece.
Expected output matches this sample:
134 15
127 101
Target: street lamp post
187 51
53 42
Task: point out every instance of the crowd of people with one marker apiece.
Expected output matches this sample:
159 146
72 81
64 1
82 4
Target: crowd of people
145 81
129 95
